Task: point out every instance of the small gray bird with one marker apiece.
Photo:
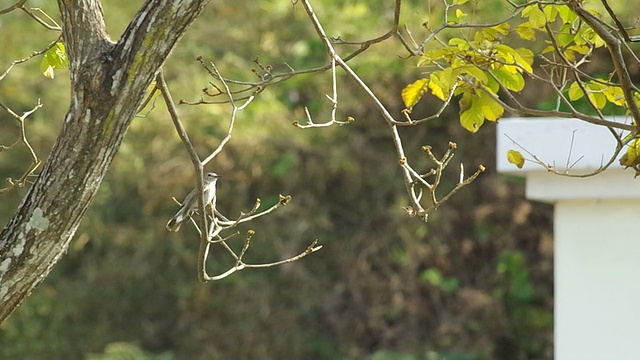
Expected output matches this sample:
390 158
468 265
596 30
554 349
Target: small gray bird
190 203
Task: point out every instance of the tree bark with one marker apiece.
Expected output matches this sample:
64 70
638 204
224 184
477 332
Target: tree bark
108 83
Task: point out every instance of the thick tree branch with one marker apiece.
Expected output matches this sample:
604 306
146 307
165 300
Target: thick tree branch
108 84
615 50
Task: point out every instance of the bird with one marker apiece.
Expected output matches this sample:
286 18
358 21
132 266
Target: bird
190 203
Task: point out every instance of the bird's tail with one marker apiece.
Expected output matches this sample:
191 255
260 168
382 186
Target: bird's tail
176 221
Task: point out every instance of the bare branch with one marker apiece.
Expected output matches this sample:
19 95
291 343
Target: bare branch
35 161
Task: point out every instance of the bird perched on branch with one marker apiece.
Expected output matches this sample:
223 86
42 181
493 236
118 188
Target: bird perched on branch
190 203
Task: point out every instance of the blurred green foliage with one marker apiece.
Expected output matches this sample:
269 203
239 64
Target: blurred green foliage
473 283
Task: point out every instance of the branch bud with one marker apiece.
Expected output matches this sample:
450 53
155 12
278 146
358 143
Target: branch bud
284 199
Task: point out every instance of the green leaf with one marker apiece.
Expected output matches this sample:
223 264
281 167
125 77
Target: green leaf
516 158
435 278
566 35
461 44
412 93
54 58
512 81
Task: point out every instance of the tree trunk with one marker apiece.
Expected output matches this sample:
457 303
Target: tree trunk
108 83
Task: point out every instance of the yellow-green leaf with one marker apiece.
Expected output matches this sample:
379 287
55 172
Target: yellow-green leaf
551 12
461 44
505 53
512 81
526 32
471 117
566 35
412 93
575 92
580 49
598 99
615 95
476 72
524 57
54 58
440 82
632 156
516 158
489 108
502 28
566 14
535 15
460 14
471 120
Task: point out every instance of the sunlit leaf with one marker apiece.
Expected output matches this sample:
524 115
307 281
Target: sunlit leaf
575 92
471 117
433 55
412 93
512 81
460 14
48 72
632 156
551 12
516 158
580 49
526 32
54 58
598 99
566 14
489 108
461 44
506 53
479 74
535 15
524 57
441 82
615 95
502 28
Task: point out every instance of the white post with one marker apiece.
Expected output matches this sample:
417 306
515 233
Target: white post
597 249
